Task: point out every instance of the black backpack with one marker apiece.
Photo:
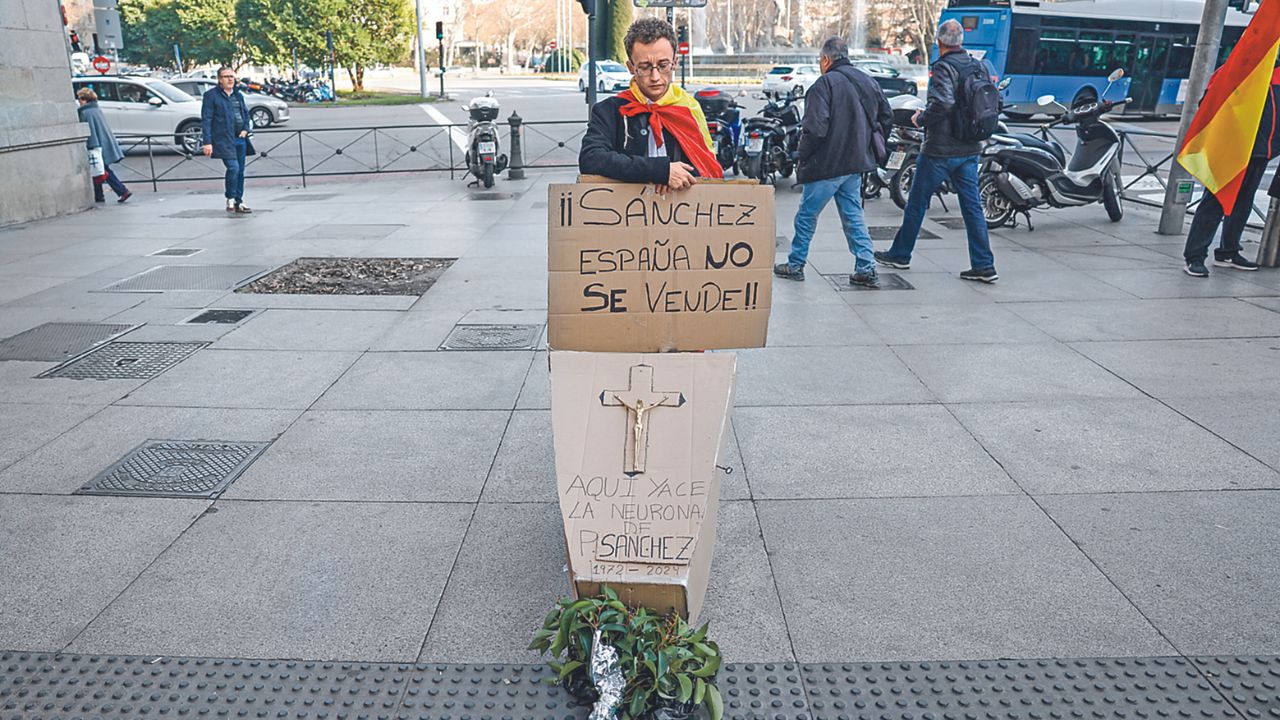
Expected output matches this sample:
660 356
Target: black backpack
977 103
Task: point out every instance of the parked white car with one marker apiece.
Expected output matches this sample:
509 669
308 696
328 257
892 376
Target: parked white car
610 76
265 110
784 78
146 106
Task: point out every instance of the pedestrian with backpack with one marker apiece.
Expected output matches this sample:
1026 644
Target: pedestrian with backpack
962 111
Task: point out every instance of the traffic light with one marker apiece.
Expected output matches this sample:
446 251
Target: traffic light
588 6
439 30
682 33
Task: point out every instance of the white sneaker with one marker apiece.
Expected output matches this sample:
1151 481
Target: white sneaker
231 205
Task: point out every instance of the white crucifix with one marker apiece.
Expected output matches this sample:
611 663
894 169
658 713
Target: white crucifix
639 399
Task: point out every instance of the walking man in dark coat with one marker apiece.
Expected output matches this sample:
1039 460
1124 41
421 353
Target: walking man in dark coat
225 122
100 137
843 110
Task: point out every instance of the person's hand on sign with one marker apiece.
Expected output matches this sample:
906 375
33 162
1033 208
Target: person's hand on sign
681 176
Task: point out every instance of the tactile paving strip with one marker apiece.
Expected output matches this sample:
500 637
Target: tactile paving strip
1251 684
888 281
61 687
1014 689
56 342
492 337
187 277
125 361
176 468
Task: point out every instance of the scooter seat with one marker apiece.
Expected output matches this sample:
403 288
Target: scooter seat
1029 140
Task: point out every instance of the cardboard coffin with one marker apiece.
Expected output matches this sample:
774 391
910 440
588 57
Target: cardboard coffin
632 271
637 440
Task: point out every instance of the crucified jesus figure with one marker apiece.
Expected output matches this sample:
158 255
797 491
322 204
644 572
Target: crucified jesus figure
639 401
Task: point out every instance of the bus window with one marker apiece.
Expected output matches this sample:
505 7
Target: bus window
1181 55
1094 54
1055 54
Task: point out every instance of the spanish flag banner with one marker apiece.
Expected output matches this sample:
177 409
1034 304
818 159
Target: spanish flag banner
1220 140
679 112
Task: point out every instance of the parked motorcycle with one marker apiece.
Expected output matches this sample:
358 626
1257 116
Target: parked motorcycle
1024 171
724 122
482 157
770 140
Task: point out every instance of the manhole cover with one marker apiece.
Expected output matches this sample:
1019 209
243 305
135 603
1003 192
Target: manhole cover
176 468
352 276
125 361
211 213
492 337
186 277
887 233
177 252
494 195
307 197
218 317
56 342
888 281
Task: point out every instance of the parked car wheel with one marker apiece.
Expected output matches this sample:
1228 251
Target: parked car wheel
261 117
189 137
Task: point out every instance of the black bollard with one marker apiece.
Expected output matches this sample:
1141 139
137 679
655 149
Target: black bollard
515 170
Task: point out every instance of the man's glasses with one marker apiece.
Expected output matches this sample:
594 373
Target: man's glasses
663 67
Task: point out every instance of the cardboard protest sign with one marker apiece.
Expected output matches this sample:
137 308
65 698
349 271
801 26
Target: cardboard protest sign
637 439
632 271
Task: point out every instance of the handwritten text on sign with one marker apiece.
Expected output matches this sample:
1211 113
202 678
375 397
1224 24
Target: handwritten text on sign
618 249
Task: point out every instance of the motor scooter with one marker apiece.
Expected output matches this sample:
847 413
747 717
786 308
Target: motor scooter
482 156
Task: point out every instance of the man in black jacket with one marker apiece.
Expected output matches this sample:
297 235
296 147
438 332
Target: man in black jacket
943 156
654 132
1209 214
843 109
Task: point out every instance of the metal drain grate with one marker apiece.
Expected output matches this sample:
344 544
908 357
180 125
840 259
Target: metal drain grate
187 277
307 197
887 233
491 195
125 361
888 281
218 317
57 342
176 252
176 468
492 337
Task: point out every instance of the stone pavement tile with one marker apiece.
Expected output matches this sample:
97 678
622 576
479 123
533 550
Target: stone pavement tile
813 290
274 379
797 324
953 578
834 262
81 294
55 266
1040 285
304 245
67 558
1112 257
1244 421
1172 282
1272 304
825 376
536 392
941 324
344 231
316 302
18 286
1193 368
865 451
14 320
393 456
508 575
329 581
1201 566
449 241
280 329
931 288
524 470
1055 232
24 428
1012 262
1171 319
19 384
1094 446
430 381
1268 278
475 283
77 456
512 239
985 373
421 331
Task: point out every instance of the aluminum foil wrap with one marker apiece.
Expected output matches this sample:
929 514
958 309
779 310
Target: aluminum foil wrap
606 674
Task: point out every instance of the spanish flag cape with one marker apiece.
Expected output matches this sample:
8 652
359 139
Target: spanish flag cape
679 113
1221 137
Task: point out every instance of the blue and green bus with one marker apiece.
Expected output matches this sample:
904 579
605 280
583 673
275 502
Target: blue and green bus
1067 48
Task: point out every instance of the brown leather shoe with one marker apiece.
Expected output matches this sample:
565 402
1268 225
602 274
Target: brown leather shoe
243 209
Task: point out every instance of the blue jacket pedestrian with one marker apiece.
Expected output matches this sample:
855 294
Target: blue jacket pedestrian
225 122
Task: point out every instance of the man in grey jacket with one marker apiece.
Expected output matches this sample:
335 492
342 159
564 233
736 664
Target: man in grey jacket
100 137
946 156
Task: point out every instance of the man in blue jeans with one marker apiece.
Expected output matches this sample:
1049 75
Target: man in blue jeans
843 109
943 156
224 118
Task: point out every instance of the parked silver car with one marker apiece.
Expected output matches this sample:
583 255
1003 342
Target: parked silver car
146 106
265 110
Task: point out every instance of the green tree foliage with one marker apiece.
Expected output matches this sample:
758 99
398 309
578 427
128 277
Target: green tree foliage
205 30
620 18
370 32
151 28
